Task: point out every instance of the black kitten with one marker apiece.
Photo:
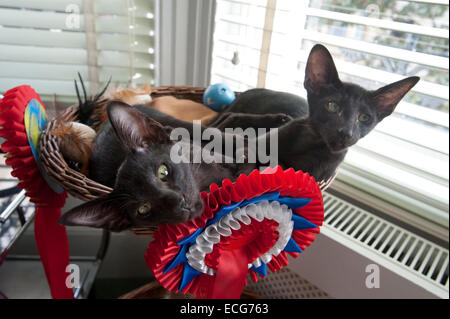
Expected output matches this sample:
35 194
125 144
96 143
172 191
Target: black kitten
149 189
132 154
340 114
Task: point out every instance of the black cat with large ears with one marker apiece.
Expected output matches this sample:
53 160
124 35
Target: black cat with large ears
132 154
321 76
338 114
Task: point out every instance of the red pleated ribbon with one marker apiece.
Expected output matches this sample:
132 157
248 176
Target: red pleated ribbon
230 257
51 238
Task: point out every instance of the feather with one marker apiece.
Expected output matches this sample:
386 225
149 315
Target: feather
76 141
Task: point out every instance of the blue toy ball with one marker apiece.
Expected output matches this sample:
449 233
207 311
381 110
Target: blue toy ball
218 97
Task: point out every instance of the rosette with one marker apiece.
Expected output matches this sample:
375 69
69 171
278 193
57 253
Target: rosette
246 227
22 118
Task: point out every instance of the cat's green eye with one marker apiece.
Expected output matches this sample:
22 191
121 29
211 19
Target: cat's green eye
144 209
163 172
364 118
333 107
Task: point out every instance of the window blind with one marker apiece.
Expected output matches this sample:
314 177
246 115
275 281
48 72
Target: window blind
45 43
405 159
238 38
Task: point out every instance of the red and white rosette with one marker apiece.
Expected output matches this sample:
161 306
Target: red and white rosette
246 227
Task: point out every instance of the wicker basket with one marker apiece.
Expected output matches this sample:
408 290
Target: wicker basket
77 184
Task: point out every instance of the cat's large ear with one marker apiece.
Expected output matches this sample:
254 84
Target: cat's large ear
320 70
102 212
387 97
133 128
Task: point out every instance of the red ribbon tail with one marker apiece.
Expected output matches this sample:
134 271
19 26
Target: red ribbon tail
231 275
53 248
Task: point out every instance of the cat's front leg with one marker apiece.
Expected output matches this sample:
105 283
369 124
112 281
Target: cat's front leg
244 121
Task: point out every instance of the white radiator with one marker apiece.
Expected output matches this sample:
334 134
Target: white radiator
352 239
334 266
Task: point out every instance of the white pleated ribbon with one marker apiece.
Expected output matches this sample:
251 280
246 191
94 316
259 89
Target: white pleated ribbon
224 227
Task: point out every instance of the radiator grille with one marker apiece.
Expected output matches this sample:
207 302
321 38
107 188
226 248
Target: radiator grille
401 246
